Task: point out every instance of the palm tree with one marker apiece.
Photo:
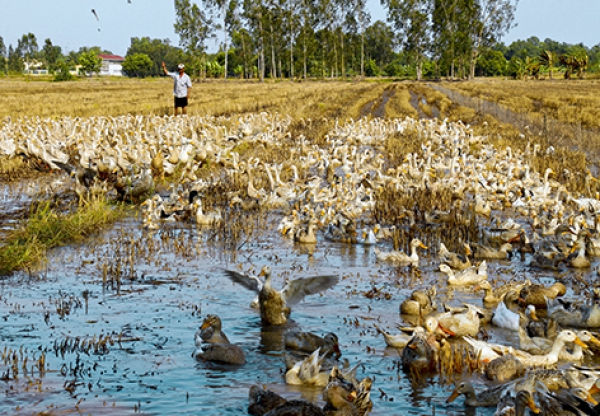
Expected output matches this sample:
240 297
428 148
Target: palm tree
548 59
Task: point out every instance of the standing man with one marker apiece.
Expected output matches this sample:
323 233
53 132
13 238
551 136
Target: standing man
181 87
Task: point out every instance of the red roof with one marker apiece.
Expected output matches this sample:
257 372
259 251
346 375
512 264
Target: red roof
111 57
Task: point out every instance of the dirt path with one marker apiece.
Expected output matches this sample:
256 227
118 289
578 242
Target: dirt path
376 108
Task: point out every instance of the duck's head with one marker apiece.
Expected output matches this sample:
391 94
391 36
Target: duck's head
524 400
331 340
211 321
417 243
570 336
463 387
586 336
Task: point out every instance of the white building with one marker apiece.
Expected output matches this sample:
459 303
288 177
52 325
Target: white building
112 65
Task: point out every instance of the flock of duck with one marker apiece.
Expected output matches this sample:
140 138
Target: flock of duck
326 194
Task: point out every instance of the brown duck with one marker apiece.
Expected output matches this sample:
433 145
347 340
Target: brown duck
536 295
264 402
210 330
274 304
309 342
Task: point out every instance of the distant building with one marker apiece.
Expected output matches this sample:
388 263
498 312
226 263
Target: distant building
112 65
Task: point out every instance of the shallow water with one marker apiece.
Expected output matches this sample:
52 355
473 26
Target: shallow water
178 280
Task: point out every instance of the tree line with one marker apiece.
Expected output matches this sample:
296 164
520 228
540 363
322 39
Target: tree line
330 39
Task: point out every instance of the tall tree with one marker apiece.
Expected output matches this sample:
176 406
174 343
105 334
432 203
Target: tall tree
360 18
451 21
411 18
255 14
2 56
494 18
194 28
15 61
51 55
227 11
27 48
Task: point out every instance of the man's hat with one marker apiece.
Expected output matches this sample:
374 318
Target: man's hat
181 66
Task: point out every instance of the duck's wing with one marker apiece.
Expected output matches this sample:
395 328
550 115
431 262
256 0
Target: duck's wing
295 290
64 166
249 282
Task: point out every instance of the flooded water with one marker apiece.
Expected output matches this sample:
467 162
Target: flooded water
126 348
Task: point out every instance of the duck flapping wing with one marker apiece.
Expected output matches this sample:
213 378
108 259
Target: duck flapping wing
295 290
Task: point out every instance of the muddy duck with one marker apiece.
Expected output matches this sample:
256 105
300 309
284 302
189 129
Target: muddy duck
264 402
486 252
419 356
274 304
486 398
309 342
420 302
339 403
537 295
470 276
455 260
504 368
547 262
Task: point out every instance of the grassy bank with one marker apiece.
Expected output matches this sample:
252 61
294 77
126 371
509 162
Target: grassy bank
48 227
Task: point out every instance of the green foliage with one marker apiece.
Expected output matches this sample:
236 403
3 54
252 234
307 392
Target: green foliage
47 228
193 26
62 72
51 55
371 68
159 51
517 68
492 63
90 62
214 69
138 65
15 61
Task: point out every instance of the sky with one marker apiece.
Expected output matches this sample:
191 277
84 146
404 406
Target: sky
71 23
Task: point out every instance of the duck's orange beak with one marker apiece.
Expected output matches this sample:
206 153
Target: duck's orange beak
453 396
594 389
205 325
534 315
595 341
590 399
532 406
446 330
580 343
423 246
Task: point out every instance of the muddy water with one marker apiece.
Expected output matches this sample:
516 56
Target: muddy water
151 320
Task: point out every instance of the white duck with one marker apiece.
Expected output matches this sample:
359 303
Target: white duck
308 372
401 257
488 352
469 276
504 317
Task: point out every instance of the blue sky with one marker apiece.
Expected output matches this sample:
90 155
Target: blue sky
71 24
